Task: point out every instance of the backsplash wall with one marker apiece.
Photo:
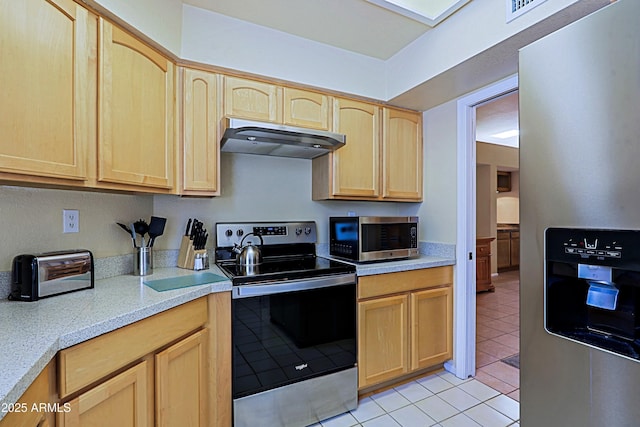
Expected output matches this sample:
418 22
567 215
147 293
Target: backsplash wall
31 221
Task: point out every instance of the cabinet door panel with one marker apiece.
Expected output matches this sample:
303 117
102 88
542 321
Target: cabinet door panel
356 165
46 54
201 149
431 327
120 401
402 159
181 383
307 109
382 339
249 99
136 141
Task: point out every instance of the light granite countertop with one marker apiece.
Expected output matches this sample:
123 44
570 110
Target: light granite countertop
33 332
423 261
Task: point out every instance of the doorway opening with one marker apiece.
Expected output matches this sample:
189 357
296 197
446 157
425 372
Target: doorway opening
464 362
497 245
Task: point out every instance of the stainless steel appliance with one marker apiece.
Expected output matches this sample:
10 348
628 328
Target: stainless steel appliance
579 96
373 238
52 273
272 139
294 326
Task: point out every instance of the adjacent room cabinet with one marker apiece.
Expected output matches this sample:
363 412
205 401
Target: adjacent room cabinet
483 264
382 158
405 324
508 249
136 141
199 130
47 67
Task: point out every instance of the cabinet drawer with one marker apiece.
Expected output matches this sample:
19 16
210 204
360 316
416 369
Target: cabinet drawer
391 283
515 234
483 250
88 362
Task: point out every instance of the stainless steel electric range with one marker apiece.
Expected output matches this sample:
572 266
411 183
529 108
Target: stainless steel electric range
294 325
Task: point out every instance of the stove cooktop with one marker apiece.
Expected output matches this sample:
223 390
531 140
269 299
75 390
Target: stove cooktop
277 269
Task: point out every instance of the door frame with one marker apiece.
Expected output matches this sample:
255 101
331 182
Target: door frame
463 364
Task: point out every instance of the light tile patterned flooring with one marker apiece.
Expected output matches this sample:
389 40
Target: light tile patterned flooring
489 400
498 334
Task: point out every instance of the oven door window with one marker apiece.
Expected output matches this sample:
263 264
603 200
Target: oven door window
284 338
386 237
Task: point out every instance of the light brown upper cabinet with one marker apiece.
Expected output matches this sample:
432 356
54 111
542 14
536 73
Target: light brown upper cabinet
382 158
47 67
199 133
136 141
249 99
306 109
402 155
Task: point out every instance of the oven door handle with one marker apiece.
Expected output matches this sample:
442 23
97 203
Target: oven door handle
247 291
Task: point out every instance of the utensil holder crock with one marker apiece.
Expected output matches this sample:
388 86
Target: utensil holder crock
143 261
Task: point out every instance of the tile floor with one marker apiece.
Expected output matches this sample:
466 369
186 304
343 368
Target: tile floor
435 400
489 400
498 334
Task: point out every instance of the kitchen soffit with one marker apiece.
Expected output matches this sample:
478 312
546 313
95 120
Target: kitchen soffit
375 28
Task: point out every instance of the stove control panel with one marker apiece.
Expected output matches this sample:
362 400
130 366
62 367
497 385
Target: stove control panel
272 233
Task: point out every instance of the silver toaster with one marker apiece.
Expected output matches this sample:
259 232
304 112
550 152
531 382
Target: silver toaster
52 273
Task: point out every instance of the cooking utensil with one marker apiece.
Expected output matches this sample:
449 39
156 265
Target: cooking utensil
156 228
141 227
132 228
128 230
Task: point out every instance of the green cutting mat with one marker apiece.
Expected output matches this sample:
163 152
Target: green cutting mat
183 281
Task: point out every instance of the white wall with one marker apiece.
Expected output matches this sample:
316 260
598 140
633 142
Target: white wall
212 38
438 212
160 20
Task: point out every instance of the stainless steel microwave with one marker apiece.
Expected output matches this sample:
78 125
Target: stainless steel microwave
373 238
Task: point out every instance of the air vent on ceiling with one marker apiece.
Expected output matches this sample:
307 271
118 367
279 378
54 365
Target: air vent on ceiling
516 8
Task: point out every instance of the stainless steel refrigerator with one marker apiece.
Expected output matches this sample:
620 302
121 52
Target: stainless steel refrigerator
580 172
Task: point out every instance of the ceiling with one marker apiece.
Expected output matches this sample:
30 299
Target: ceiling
496 116
375 28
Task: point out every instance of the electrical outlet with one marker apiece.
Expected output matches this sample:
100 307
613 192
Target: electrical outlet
70 221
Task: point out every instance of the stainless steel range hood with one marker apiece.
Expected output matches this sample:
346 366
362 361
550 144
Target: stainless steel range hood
270 139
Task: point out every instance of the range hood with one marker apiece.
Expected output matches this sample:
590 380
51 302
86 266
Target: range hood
271 139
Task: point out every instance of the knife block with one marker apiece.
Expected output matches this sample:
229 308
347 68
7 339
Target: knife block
186 255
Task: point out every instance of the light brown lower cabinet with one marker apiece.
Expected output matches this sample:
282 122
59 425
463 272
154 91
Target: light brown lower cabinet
166 370
31 409
121 401
405 324
181 383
